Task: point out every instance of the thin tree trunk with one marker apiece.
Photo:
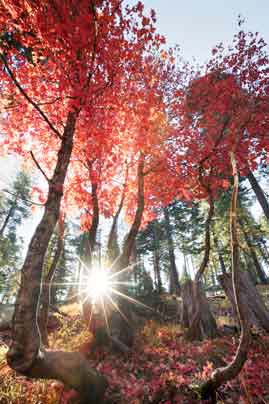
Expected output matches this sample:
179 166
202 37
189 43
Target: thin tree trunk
25 354
263 252
201 323
259 269
126 334
157 259
90 247
112 238
259 194
92 232
130 239
157 274
220 256
175 286
45 293
9 215
212 273
223 375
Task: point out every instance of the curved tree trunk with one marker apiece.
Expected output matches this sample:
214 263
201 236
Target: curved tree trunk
222 375
45 293
259 194
201 323
25 354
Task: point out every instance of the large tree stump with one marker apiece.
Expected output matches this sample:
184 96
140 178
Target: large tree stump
114 328
258 314
196 314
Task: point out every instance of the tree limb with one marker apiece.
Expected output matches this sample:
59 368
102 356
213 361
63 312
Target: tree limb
24 93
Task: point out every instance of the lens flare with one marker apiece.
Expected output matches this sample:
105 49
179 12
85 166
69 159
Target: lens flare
98 284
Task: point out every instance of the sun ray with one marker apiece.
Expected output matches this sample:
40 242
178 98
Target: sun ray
123 270
90 319
118 309
105 314
130 299
121 283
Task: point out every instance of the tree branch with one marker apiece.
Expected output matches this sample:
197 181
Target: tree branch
38 166
23 199
23 92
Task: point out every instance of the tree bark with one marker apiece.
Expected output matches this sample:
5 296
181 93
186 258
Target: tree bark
260 272
92 232
201 323
130 239
25 354
206 327
222 375
220 256
112 238
259 194
45 293
174 281
255 308
126 334
9 215
249 267
156 260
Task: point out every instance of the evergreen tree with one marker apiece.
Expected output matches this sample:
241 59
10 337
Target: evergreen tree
14 209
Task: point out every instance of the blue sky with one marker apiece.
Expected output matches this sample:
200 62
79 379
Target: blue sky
198 25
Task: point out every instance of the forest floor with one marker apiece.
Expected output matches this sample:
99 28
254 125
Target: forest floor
161 368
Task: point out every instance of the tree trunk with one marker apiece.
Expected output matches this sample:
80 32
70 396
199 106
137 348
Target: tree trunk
92 232
157 274
223 375
263 252
255 308
25 354
126 334
206 326
260 272
112 250
130 239
156 260
259 194
213 274
175 286
45 293
249 267
9 215
202 323
220 256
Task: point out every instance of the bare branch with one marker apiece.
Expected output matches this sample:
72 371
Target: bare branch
38 166
23 199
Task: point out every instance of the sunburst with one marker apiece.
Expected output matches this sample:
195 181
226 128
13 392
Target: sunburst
100 286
